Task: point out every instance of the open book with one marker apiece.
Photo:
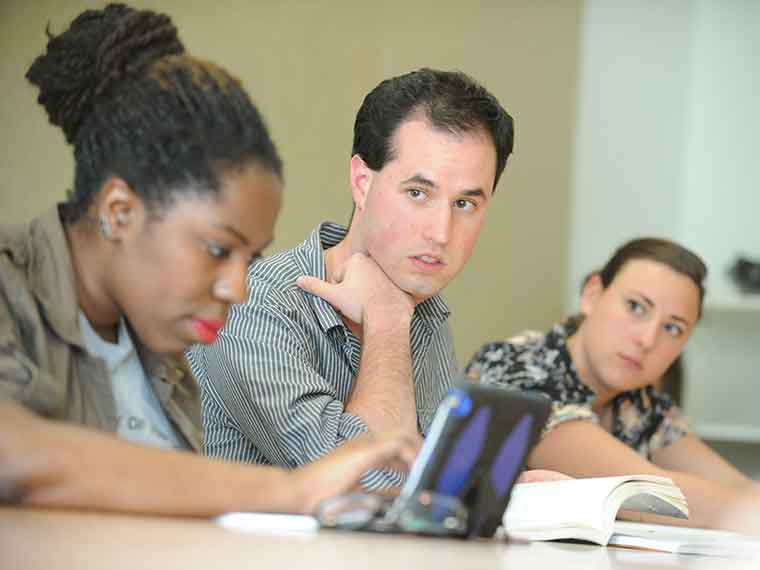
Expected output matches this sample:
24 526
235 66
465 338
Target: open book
585 509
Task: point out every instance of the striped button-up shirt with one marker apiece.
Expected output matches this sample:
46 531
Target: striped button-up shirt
275 383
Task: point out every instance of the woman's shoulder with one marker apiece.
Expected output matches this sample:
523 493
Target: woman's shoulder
13 245
493 353
15 263
37 286
529 356
535 362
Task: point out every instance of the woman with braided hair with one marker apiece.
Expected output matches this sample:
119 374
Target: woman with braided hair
177 188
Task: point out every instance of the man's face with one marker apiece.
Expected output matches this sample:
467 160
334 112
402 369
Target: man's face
420 215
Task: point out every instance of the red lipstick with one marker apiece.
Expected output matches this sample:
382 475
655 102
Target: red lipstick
207 329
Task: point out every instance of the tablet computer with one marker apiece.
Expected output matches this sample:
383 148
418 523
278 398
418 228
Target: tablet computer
476 447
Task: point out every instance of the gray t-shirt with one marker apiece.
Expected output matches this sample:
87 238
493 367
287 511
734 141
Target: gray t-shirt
140 418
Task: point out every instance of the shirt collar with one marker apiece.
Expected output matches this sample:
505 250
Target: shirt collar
310 258
114 354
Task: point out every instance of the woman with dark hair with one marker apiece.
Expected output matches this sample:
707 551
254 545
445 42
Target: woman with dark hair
177 188
603 369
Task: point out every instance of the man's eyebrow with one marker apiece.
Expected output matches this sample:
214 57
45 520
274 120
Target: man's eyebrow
476 193
420 179
233 231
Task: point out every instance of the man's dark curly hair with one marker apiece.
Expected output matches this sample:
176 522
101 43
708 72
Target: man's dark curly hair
133 105
449 100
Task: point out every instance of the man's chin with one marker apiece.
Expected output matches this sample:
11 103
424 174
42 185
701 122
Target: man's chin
420 295
419 290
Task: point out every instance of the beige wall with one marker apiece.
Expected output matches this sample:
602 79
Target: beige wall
308 64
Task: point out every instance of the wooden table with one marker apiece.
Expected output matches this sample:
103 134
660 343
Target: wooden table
45 539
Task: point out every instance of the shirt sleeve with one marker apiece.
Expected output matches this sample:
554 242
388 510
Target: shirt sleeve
673 426
264 400
514 365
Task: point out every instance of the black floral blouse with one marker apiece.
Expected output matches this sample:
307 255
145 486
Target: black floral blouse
643 419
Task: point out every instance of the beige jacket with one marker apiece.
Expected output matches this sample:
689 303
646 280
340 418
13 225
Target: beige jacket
43 362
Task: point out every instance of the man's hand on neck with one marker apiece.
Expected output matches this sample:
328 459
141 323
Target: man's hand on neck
383 393
358 288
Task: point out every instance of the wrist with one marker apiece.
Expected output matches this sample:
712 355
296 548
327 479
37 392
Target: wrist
393 318
298 495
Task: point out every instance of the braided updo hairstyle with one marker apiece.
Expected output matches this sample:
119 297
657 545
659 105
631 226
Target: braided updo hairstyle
134 105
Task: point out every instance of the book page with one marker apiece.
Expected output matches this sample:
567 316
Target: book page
682 540
651 498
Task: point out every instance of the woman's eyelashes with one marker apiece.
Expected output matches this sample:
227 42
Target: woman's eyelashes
635 307
221 253
217 251
674 330
639 309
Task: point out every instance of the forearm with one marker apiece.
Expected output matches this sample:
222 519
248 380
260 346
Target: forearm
708 504
692 455
180 484
711 484
708 500
45 463
582 449
383 392
50 464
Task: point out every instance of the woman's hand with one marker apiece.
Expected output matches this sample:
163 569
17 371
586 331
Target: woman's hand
541 476
341 470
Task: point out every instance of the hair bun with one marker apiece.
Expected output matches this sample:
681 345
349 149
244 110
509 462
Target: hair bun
100 48
139 39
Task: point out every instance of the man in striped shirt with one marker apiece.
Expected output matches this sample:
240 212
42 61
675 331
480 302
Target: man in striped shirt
346 333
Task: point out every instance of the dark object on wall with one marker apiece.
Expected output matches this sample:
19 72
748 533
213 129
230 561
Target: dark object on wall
746 275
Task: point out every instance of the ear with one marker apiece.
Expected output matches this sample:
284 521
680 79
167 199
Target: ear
361 181
120 207
592 291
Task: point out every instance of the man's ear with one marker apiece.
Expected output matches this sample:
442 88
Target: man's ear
361 181
592 291
119 208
